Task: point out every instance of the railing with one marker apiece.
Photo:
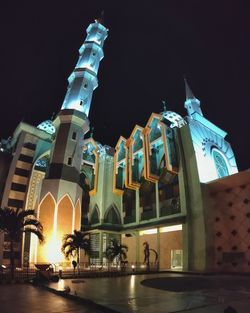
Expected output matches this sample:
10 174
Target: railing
85 269
20 275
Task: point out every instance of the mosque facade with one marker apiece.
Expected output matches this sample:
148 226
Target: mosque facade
173 183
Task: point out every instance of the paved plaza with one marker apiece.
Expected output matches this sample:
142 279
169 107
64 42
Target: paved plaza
29 299
199 294
136 293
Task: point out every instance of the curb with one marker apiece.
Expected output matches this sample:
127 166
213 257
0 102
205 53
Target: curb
86 301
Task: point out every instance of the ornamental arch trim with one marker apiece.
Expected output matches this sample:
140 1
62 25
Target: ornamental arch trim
112 215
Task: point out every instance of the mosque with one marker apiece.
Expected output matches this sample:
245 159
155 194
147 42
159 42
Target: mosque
173 183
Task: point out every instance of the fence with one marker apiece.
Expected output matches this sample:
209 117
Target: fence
66 270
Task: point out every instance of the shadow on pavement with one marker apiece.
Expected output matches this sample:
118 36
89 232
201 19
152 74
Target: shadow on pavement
180 284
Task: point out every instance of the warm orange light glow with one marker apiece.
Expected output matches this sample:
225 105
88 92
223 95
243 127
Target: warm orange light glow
52 251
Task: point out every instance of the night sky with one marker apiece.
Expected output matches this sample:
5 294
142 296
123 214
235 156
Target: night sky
151 45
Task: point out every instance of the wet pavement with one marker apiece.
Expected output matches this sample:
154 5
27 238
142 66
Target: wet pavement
126 294
28 299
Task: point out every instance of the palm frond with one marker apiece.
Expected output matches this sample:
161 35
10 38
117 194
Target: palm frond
21 214
71 251
116 250
13 222
35 231
71 243
33 222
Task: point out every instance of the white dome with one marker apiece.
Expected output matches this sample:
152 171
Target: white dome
47 126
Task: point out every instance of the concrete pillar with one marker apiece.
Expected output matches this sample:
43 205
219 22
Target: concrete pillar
137 253
137 206
101 247
157 206
158 247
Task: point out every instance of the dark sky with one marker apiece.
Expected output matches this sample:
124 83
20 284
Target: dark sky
151 45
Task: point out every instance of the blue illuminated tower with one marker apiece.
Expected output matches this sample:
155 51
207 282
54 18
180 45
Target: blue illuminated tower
214 155
72 122
83 80
61 193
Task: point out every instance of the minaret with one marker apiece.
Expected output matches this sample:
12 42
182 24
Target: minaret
192 104
83 80
61 195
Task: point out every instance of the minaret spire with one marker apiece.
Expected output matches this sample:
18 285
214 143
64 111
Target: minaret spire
100 19
83 80
189 93
192 104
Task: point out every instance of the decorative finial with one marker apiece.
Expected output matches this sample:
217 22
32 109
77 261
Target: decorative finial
164 105
92 132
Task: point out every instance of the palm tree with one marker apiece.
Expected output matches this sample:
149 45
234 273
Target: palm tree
116 251
72 243
14 222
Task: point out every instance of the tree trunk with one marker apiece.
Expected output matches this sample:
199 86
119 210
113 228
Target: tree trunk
78 261
12 259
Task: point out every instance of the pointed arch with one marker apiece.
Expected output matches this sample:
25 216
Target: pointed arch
46 215
77 216
119 171
48 195
112 215
95 215
135 157
152 142
91 164
65 209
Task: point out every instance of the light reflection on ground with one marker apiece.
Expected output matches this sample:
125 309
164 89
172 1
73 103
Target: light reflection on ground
126 294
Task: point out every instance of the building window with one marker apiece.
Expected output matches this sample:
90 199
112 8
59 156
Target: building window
15 203
25 158
22 172
30 145
81 102
18 187
85 85
220 163
74 135
69 161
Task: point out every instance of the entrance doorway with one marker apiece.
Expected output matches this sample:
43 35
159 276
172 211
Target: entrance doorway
176 259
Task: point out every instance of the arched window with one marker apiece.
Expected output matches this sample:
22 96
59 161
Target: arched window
220 163
112 216
95 216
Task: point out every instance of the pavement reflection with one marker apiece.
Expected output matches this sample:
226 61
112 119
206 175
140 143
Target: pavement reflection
126 294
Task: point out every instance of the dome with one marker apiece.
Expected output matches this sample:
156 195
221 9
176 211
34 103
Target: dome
47 126
174 118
